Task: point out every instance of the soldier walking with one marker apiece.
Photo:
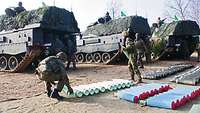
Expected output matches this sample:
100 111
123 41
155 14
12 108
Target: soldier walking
132 55
140 48
52 69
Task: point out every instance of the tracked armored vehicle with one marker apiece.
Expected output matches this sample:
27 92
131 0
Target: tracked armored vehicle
102 43
33 35
175 40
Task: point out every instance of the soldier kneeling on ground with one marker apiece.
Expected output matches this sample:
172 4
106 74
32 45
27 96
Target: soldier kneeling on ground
52 69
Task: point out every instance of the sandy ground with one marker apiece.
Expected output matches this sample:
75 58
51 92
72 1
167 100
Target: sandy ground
24 93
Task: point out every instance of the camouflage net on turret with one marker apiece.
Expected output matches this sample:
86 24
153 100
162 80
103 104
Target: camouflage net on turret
136 24
48 17
177 28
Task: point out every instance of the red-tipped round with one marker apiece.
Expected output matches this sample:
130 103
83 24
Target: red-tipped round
178 103
165 88
183 101
188 98
141 97
152 93
147 94
192 96
136 99
199 91
156 91
161 89
173 105
196 93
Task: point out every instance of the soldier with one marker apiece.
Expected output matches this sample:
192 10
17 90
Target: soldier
104 19
20 8
71 46
140 48
148 50
107 17
160 22
132 55
13 11
52 69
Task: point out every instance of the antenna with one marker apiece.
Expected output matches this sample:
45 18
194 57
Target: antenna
146 14
71 6
136 8
54 2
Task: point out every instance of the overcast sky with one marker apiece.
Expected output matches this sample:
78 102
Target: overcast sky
88 11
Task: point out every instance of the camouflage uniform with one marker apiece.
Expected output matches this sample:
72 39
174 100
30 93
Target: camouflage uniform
198 52
140 48
52 69
71 46
148 50
20 8
132 55
159 22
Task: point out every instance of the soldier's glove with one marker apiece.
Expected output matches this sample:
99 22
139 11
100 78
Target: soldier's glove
70 90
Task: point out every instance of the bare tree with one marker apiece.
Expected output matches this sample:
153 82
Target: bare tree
114 7
184 9
194 11
179 8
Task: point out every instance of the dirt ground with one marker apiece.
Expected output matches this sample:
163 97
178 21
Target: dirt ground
24 93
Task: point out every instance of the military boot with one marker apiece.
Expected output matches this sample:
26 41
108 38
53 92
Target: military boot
139 81
132 77
49 92
56 95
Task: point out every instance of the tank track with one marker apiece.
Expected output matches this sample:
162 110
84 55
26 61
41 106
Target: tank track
111 60
27 59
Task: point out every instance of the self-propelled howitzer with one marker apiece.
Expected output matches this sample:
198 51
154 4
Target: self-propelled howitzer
33 35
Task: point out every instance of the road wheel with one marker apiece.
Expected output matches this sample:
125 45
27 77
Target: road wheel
80 58
3 63
106 57
97 57
88 58
12 62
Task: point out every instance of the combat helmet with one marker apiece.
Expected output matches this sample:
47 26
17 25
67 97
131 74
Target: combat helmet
125 33
62 56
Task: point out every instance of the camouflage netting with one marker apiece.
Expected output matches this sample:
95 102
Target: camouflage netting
135 23
49 17
178 28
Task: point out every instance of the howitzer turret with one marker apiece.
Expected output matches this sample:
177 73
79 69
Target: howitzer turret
175 40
